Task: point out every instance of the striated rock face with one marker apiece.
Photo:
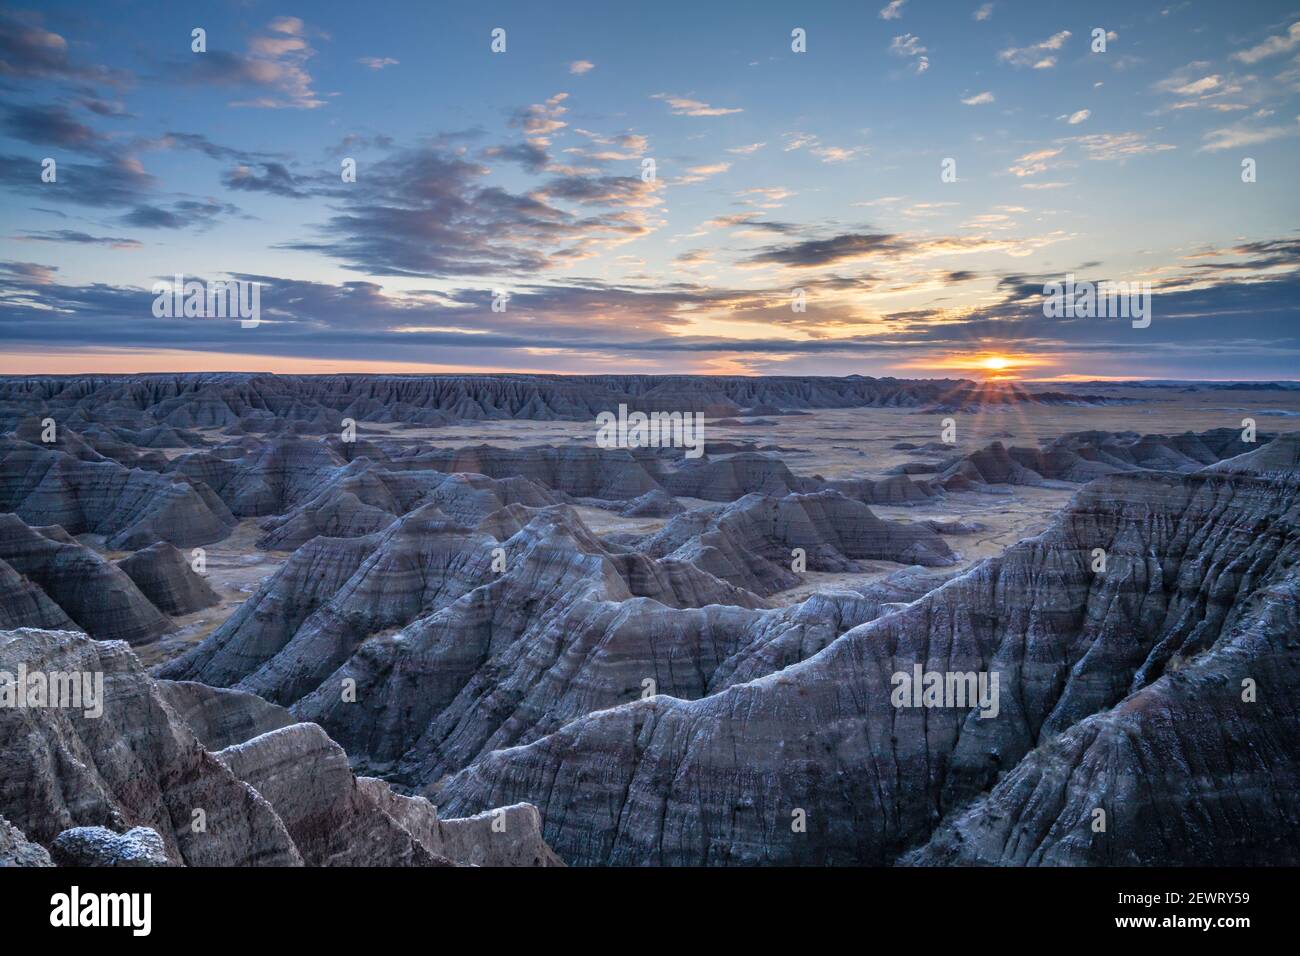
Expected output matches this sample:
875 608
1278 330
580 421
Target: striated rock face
449 659
87 591
332 819
270 480
580 471
132 508
1083 456
219 717
98 846
1115 689
750 543
134 786
164 576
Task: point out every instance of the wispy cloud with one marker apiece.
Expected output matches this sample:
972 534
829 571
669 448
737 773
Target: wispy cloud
893 11
684 106
979 99
1039 56
377 62
908 45
1271 47
579 67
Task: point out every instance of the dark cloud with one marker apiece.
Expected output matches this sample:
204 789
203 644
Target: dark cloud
429 211
29 51
116 181
275 179
530 156
81 238
50 126
181 215
811 253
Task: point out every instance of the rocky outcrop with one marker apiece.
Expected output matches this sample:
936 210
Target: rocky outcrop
332 819
1084 456
17 850
752 543
132 508
164 576
652 504
92 593
220 717
99 846
132 785
1115 688
136 764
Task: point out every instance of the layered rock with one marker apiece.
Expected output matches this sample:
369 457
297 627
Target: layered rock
320 402
90 592
132 785
132 508
164 576
751 543
1103 676
1084 456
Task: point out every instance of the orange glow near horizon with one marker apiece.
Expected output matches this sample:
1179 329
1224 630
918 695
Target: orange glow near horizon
996 366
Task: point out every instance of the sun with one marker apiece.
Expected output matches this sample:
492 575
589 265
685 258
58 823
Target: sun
996 363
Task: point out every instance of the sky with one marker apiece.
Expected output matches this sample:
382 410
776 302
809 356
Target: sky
659 188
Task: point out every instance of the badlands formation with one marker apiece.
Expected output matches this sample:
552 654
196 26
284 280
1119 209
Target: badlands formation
432 621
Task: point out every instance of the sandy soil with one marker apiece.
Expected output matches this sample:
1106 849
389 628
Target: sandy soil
235 569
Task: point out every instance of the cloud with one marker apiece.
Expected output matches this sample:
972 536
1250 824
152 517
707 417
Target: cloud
893 11
29 51
51 125
838 154
80 238
430 211
748 150
1119 146
908 45
377 62
1078 116
275 179
978 99
113 181
1197 88
1031 164
540 120
983 12
682 106
182 214
274 67
33 272
1040 56
698 174
1271 47
579 67
1232 137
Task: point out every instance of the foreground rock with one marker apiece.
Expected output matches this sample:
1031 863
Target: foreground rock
133 784
99 846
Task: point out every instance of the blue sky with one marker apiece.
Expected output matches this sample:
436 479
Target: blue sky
774 170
